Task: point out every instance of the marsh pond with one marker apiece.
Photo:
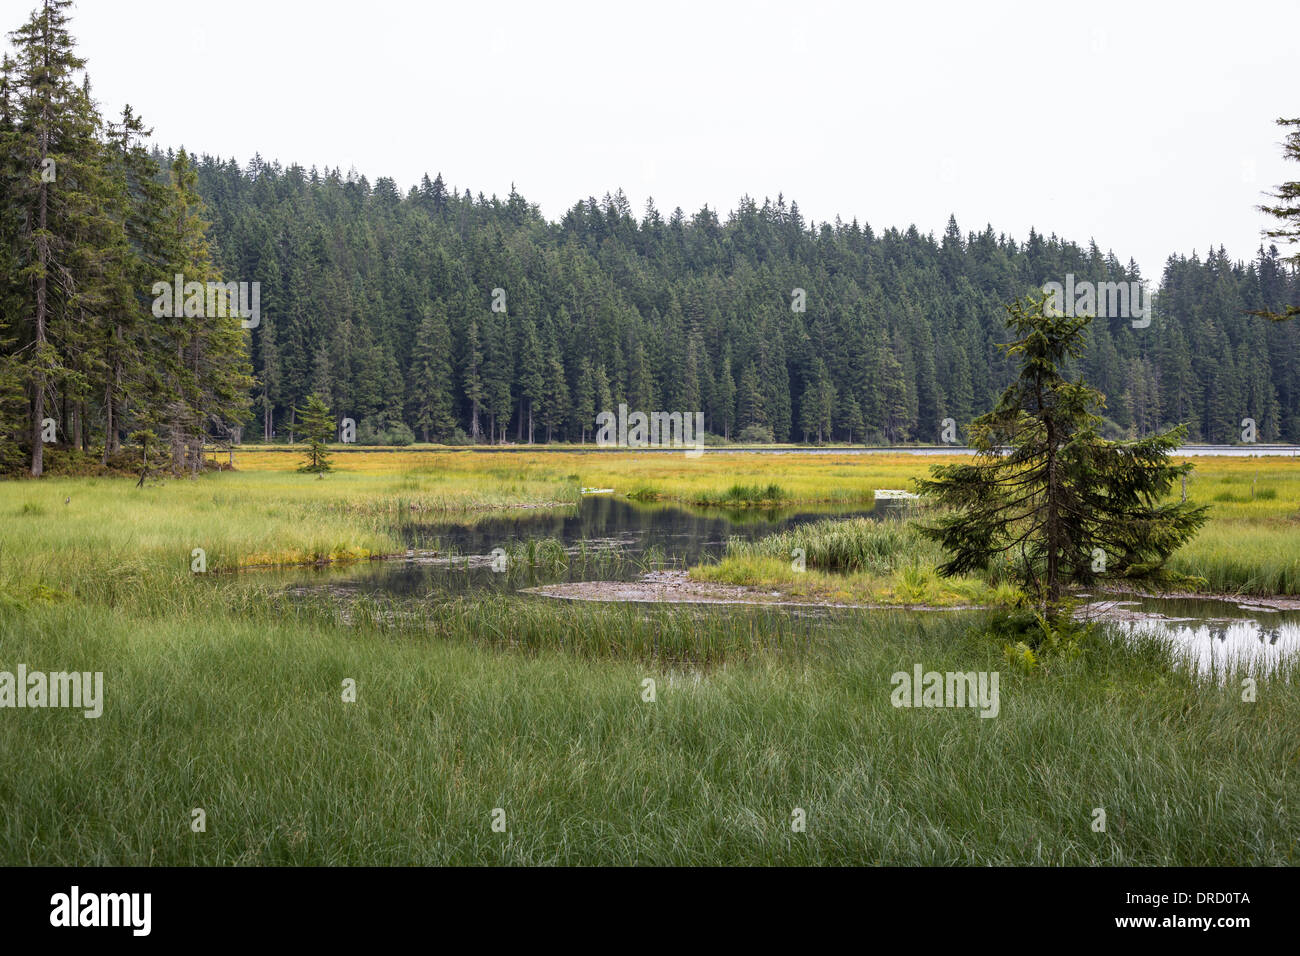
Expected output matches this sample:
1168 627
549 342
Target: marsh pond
610 549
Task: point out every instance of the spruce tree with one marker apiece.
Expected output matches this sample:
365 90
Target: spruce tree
316 425
604 395
532 374
54 187
640 385
892 385
555 394
1046 493
725 410
850 419
211 376
1286 211
271 378
431 376
134 344
13 406
750 399
472 375
584 401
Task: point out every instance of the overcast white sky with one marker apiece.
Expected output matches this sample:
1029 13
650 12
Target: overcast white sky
1147 126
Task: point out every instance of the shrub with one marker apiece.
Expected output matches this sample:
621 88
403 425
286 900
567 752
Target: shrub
377 431
399 433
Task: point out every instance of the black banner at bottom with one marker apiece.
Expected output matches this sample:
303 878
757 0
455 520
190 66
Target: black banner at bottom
334 906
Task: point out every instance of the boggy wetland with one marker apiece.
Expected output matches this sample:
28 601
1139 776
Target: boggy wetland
621 731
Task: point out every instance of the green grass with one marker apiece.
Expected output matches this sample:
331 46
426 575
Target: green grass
537 709
853 561
1237 556
742 495
221 692
854 544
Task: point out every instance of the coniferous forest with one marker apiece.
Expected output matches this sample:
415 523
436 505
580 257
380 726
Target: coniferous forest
439 315
368 289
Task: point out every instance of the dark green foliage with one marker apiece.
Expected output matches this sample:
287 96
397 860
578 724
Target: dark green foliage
1046 493
693 313
88 224
431 401
316 426
1287 213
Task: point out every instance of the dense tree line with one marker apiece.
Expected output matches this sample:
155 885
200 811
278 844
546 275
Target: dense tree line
440 315
383 303
89 225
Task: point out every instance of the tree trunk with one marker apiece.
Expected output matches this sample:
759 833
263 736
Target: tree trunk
43 258
1053 524
109 424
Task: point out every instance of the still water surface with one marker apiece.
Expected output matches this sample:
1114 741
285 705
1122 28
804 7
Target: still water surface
608 539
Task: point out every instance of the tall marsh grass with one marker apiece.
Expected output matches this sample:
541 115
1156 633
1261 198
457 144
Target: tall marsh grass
850 561
852 544
539 710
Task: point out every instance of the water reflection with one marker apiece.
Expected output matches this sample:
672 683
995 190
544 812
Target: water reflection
603 538
612 539
1214 635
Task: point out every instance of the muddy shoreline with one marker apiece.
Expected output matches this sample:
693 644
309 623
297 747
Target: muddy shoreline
676 587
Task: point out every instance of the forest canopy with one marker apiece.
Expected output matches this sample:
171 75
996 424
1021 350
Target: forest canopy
383 303
439 315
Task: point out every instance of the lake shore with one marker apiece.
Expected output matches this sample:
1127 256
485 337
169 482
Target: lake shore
677 587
